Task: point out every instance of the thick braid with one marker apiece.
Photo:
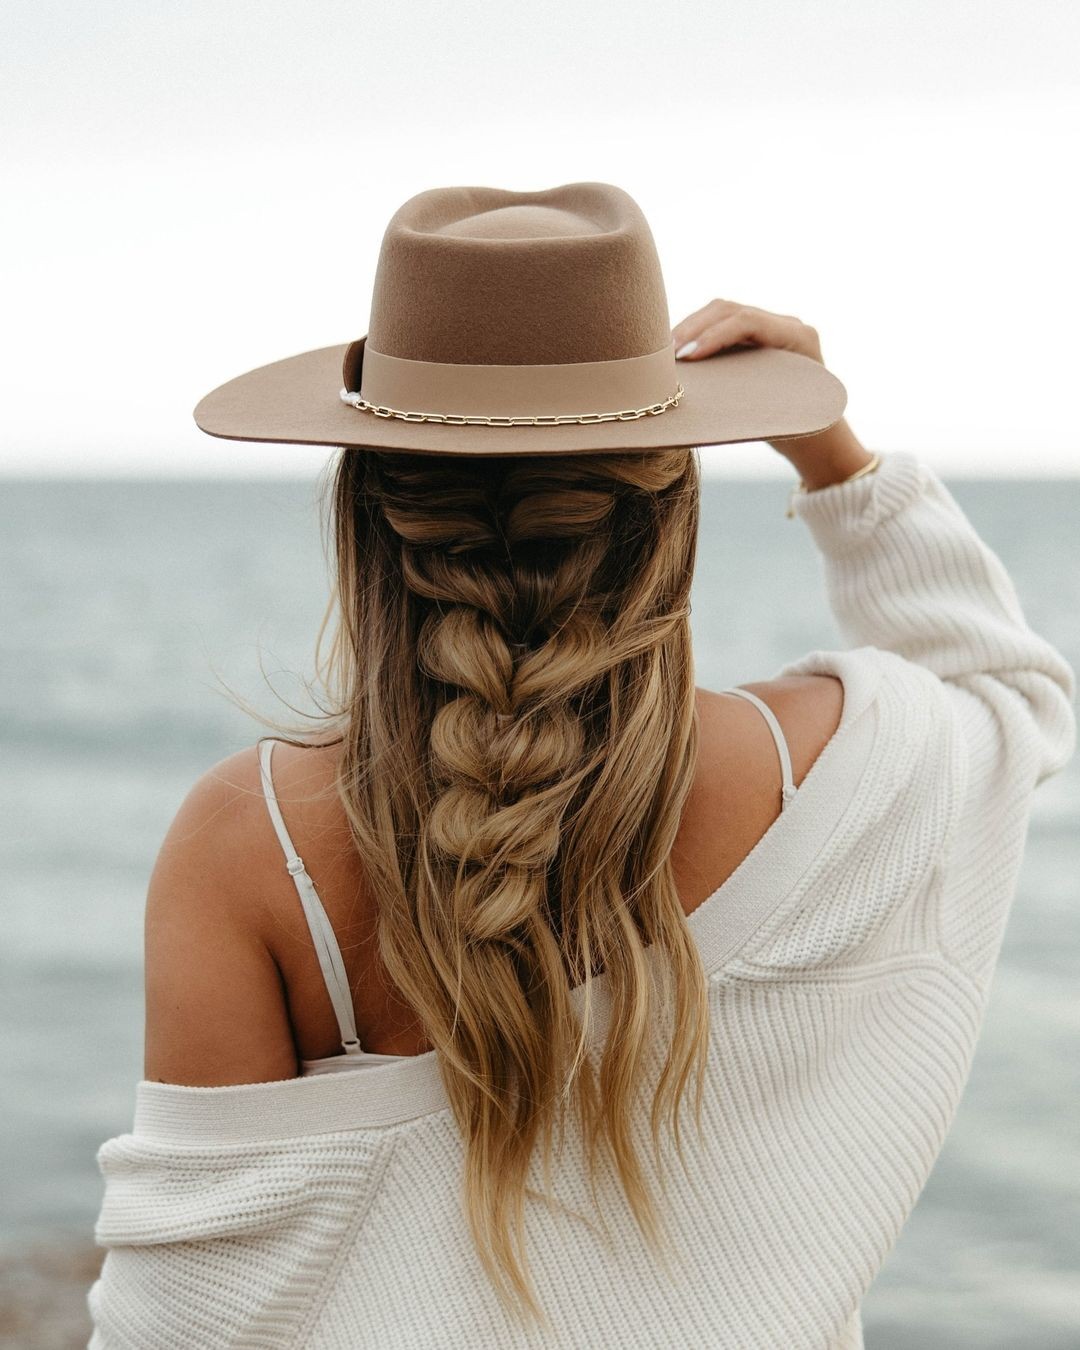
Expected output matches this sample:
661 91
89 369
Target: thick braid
505 743
517 634
534 803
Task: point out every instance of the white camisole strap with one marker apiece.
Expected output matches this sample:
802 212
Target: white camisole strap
788 790
322 933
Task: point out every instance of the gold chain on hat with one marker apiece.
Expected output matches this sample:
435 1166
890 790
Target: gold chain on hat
354 400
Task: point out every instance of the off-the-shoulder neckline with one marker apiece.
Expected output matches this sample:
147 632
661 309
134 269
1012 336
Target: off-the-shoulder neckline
722 926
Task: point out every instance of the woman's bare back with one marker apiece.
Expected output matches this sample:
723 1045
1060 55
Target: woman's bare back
734 800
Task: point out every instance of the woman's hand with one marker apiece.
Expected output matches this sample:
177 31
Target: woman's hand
723 323
822 458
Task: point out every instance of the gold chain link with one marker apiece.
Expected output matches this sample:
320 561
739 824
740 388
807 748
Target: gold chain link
354 400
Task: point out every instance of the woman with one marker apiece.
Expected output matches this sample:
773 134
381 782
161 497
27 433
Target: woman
425 992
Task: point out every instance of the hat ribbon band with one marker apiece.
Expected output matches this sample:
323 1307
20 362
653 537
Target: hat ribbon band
507 395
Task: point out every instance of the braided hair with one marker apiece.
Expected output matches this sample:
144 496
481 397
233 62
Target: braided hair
513 668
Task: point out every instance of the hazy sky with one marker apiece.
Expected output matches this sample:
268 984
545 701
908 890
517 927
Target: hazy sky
196 189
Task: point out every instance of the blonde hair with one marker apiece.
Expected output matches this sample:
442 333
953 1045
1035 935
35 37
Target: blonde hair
512 672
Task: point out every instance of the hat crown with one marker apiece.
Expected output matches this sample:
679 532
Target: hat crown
508 322
489 276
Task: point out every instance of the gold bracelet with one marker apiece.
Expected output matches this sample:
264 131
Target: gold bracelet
800 486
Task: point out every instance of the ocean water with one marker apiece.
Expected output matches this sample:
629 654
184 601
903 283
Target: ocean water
123 605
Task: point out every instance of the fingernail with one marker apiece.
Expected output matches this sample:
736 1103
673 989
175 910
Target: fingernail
687 349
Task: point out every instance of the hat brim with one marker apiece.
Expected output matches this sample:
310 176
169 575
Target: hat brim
744 394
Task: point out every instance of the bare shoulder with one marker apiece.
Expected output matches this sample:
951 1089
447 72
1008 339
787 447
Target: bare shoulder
809 709
217 808
223 822
215 1007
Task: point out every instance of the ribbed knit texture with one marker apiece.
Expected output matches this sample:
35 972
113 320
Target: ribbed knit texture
849 959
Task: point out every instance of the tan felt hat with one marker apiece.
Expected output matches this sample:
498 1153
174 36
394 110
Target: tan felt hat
522 322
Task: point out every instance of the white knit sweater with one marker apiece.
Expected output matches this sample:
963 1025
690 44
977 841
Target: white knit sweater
849 959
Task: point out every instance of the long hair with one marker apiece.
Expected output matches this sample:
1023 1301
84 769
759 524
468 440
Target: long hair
512 672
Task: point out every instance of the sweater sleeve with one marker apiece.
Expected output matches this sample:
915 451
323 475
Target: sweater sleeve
906 571
225 1244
